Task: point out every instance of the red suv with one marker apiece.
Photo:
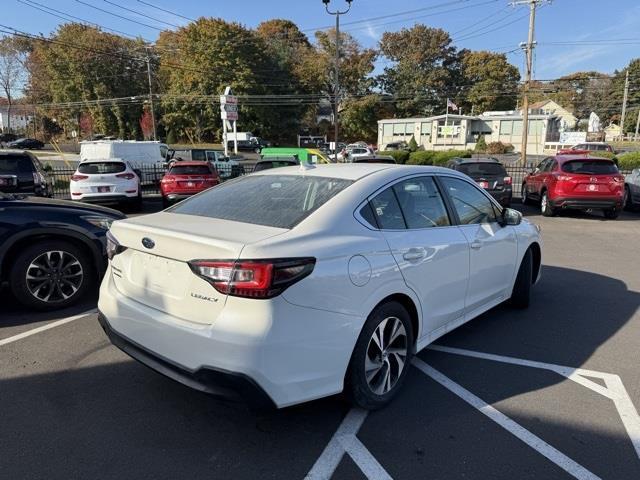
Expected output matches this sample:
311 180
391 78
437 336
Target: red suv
184 179
577 182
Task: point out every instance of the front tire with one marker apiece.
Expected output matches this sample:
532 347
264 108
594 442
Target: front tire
546 208
51 274
522 287
381 357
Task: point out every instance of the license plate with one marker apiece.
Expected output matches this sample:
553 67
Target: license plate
104 189
484 184
592 188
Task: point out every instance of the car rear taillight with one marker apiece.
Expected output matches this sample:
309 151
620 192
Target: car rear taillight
168 179
253 278
126 176
564 178
113 246
618 178
508 180
76 177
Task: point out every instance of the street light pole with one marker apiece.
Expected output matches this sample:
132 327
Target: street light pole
153 116
336 95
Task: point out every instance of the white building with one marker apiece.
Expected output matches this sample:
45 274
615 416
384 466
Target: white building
20 120
461 132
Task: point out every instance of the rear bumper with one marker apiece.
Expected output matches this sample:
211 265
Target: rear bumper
174 197
502 196
586 202
111 198
234 386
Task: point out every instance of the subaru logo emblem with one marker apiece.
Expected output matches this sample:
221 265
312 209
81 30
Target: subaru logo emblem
148 243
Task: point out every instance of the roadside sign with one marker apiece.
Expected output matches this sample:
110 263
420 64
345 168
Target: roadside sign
229 107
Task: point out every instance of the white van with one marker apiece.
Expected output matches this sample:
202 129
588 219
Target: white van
147 156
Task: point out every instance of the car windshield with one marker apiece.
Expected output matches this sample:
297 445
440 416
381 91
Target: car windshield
189 170
591 167
482 168
94 168
13 164
280 201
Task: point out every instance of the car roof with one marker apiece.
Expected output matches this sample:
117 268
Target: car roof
355 171
476 160
190 163
567 158
103 160
13 154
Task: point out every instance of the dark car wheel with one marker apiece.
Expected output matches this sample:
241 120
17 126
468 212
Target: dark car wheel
381 357
525 194
522 288
51 274
611 213
628 201
546 208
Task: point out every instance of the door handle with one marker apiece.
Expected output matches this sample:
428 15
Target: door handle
414 254
476 245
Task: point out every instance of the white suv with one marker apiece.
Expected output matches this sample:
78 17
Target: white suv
296 283
106 181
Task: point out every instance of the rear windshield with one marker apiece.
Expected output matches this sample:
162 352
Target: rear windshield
15 164
101 167
190 170
481 168
590 167
280 201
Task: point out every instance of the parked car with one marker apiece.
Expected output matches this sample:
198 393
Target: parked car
7 137
297 283
375 159
52 252
22 173
305 155
245 146
227 166
184 179
632 189
397 146
586 148
26 144
489 174
575 182
275 162
352 152
110 180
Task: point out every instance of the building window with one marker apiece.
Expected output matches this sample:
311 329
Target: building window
506 127
448 129
387 129
409 128
536 127
398 129
517 128
425 129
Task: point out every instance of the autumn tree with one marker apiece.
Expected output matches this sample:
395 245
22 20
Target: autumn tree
86 124
13 72
490 82
359 116
146 124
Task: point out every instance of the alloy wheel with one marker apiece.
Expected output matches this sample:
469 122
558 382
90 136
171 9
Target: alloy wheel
386 355
54 276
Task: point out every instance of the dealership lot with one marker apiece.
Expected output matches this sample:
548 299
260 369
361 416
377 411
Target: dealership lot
76 407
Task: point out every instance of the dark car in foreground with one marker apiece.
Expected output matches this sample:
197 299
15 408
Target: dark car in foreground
489 174
575 182
22 173
52 252
26 143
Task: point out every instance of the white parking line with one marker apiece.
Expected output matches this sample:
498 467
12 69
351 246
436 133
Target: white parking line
46 327
557 457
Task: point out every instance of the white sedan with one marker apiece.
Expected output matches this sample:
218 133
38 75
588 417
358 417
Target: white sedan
106 181
296 283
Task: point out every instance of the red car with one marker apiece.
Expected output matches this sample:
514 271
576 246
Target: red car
575 182
586 148
184 179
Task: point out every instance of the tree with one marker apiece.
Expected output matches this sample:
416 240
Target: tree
146 124
86 124
425 69
359 115
490 81
12 70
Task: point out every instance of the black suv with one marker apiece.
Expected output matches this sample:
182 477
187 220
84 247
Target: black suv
22 173
489 174
52 252
26 143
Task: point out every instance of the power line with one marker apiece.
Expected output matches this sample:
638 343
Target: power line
141 14
119 16
166 11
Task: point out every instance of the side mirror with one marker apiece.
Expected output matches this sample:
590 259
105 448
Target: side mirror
510 217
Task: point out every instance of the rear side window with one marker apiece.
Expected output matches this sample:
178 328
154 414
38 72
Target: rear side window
590 167
13 164
482 168
90 168
189 170
280 201
387 211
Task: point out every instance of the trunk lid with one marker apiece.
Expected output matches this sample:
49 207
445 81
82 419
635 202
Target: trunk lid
159 275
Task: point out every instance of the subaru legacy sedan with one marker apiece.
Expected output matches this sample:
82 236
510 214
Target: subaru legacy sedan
297 283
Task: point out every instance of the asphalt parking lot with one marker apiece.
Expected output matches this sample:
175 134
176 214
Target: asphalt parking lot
549 392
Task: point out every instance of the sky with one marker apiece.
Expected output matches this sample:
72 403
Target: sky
572 35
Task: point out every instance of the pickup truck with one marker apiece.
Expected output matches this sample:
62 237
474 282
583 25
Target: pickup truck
227 167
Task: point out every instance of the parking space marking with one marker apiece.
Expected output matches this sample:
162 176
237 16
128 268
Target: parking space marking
43 328
343 441
614 389
535 442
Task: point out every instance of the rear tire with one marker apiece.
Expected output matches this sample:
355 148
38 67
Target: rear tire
546 208
522 287
51 274
381 357
611 213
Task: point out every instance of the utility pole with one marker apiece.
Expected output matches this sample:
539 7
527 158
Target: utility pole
336 95
624 104
153 116
528 48
635 137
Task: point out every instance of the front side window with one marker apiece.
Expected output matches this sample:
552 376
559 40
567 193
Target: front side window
421 203
471 205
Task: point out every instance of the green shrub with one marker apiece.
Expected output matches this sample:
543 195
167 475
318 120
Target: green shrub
413 145
400 156
498 148
421 158
481 144
171 138
609 155
629 161
437 158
